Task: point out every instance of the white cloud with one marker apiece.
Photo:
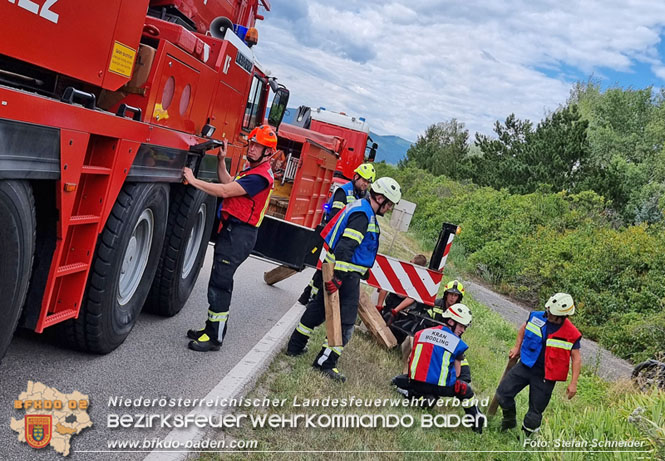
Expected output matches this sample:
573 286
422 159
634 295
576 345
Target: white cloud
407 64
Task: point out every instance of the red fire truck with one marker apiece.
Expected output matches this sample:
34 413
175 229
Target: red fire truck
102 104
321 151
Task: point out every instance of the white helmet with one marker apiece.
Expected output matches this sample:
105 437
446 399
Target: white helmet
459 313
561 304
389 188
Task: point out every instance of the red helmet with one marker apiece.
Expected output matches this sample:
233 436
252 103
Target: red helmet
264 135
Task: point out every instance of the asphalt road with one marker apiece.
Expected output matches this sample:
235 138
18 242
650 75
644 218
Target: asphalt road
153 362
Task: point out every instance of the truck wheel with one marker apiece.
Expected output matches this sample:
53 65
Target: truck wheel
122 270
191 217
17 247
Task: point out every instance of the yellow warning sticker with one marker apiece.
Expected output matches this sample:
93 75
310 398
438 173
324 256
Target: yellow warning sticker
122 60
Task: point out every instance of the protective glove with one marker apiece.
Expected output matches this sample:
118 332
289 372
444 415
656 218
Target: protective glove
333 285
460 387
393 316
379 307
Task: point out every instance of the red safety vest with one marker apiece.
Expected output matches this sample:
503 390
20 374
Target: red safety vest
558 347
250 209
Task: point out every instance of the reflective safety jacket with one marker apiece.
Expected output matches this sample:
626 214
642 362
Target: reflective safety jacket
349 193
557 346
368 245
433 356
248 209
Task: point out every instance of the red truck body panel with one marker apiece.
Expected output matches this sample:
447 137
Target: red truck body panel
353 153
96 45
317 160
203 12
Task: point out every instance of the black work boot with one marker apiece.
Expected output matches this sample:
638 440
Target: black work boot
194 334
204 343
296 352
509 420
530 433
332 373
479 421
326 363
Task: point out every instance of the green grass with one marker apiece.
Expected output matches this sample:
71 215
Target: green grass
600 411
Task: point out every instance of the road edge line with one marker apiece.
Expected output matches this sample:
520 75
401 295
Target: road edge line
243 375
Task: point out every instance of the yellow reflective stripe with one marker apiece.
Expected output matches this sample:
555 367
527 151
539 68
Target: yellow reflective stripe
445 362
337 226
343 266
414 362
314 291
304 330
330 258
559 343
337 350
353 235
217 316
339 205
265 207
465 362
373 228
350 198
533 329
203 338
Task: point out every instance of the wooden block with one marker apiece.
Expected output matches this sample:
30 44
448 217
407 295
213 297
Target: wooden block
278 274
333 316
374 322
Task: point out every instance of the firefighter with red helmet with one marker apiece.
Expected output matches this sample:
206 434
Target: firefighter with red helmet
435 363
353 190
546 343
353 242
245 199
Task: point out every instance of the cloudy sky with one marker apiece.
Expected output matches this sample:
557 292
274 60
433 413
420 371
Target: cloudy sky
407 64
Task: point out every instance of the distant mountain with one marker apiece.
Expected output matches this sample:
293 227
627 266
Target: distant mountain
391 148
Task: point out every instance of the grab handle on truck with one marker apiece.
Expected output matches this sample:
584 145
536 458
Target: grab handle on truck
122 110
72 95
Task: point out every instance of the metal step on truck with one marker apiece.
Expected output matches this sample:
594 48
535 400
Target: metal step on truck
102 104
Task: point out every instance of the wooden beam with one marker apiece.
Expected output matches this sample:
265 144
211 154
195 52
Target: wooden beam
333 316
374 322
491 410
278 274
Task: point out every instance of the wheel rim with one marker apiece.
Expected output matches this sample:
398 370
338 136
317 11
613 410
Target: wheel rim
136 256
194 241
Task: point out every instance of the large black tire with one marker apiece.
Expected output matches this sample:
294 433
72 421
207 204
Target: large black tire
122 270
191 217
17 247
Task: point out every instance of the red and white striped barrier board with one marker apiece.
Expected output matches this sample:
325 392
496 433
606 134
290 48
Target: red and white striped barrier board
405 279
402 278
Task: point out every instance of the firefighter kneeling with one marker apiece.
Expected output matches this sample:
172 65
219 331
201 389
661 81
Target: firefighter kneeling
436 361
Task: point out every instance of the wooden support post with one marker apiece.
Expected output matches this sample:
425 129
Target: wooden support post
374 322
491 410
278 274
333 315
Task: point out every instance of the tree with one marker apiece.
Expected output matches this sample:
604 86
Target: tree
502 161
557 152
442 150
